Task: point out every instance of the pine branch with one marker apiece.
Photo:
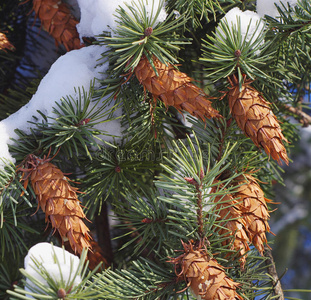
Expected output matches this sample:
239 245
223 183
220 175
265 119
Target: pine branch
71 128
301 116
74 124
230 52
199 188
11 190
195 198
199 12
188 187
139 34
144 280
277 288
114 171
292 20
12 236
146 123
17 96
41 284
144 219
9 274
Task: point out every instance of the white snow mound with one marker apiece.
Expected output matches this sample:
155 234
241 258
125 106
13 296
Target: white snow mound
99 15
75 69
251 23
44 254
267 7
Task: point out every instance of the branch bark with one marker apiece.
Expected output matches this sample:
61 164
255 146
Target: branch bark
277 288
299 115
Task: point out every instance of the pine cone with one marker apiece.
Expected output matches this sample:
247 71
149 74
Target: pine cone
4 43
254 116
253 207
58 199
57 20
205 277
174 88
227 209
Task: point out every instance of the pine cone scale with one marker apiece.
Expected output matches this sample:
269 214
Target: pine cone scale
255 117
253 206
233 223
5 43
205 276
57 21
58 199
174 88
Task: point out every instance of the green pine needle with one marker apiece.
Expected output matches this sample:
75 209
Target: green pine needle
144 280
199 12
130 40
71 127
49 290
227 52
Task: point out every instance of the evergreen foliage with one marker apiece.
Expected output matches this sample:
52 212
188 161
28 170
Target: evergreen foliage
163 177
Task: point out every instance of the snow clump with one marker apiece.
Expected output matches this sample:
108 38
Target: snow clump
75 69
43 256
267 7
100 15
251 24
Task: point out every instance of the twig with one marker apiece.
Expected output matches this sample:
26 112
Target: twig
301 116
198 187
277 288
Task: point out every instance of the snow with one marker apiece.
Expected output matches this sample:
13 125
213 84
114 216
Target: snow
44 254
267 7
251 23
100 15
72 70
112 129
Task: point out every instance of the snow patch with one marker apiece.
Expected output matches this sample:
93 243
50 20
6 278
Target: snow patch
267 7
251 23
75 69
44 254
100 15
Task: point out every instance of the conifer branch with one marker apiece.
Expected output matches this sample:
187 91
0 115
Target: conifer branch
277 288
300 115
198 187
140 35
160 187
228 52
50 287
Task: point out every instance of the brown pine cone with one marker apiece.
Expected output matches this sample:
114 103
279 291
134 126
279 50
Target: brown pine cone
5 43
57 20
234 225
174 88
59 200
205 277
253 207
255 117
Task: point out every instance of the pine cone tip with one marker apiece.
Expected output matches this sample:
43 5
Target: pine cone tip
203 275
256 119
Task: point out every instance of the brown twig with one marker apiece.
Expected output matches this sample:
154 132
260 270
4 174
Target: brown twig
277 288
299 115
198 187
